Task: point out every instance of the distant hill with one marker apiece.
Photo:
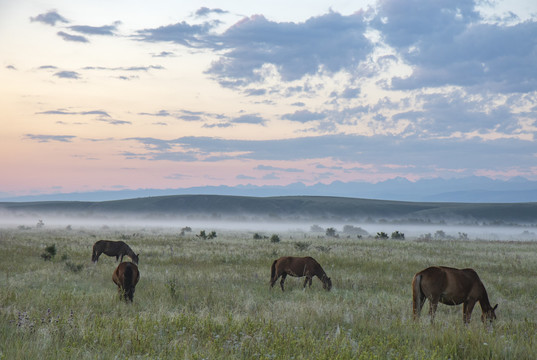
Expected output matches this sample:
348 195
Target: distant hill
285 208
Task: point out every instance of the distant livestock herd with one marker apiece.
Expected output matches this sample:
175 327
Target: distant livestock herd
438 284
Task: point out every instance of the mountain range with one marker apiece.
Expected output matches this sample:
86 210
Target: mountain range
466 190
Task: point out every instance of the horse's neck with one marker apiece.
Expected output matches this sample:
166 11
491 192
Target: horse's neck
484 300
128 250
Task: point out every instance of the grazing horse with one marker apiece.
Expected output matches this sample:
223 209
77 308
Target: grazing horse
126 277
113 248
451 287
298 266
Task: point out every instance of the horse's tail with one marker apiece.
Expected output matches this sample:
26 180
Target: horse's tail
94 256
273 271
128 282
417 296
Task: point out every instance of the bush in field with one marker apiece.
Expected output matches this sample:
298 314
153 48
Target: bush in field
274 238
316 228
185 230
203 235
302 245
396 235
257 236
50 252
381 236
73 267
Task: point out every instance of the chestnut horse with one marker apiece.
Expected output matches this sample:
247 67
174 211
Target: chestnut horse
451 287
113 248
298 266
126 277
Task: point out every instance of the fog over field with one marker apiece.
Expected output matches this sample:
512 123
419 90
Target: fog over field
128 222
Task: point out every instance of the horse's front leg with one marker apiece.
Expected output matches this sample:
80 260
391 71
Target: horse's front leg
121 260
306 281
467 308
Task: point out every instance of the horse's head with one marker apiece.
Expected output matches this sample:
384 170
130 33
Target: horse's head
489 315
135 258
327 283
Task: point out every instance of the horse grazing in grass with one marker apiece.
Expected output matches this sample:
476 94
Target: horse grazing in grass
298 266
113 248
126 277
451 287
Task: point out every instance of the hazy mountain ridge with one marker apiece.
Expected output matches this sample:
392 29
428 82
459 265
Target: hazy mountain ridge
469 189
285 208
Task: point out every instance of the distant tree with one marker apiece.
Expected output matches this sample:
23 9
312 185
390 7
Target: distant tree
463 236
331 232
354 230
40 224
212 235
202 235
275 238
396 235
316 228
439 235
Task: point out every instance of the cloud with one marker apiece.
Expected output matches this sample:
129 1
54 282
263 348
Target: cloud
108 30
75 38
49 18
249 119
448 43
122 68
205 11
49 138
273 168
179 33
65 112
67 75
304 116
413 152
163 54
329 43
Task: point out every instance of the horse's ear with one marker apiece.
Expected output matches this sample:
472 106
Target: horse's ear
495 307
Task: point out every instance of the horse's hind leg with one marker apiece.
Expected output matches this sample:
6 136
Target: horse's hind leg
432 308
284 275
273 281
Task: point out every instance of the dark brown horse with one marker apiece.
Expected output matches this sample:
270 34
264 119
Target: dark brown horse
451 287
126 277
298 266
113 248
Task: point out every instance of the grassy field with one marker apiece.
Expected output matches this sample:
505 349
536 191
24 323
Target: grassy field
210 299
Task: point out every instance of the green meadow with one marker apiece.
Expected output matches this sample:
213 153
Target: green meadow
210 298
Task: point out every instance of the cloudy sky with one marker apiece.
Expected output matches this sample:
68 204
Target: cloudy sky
108 95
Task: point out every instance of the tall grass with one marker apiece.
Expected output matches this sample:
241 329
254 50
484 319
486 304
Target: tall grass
200 299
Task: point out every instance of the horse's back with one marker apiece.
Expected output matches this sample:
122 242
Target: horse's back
296 266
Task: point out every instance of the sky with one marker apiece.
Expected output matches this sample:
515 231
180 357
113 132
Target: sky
111 95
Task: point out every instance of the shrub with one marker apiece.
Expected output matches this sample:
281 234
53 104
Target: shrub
274 238
73 267
381 236
50 252
396 235
302 245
